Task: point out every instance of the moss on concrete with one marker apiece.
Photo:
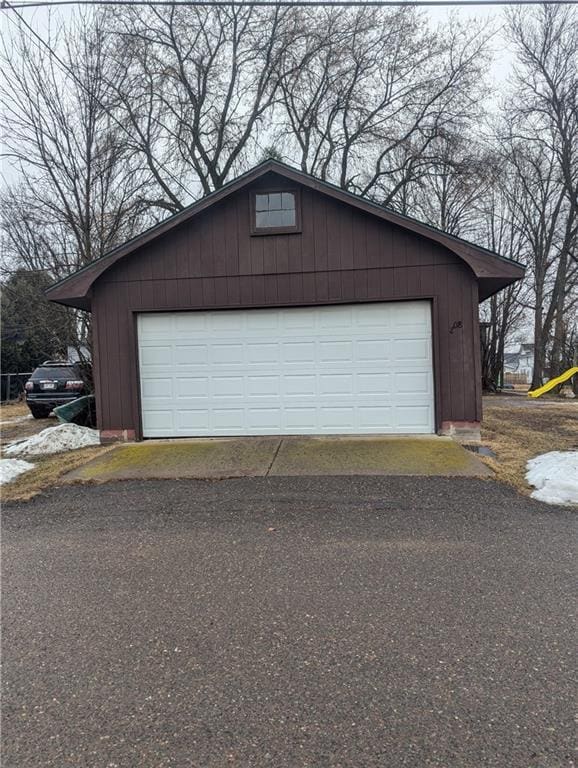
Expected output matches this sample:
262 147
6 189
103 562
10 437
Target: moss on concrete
291 456
379 455
187 458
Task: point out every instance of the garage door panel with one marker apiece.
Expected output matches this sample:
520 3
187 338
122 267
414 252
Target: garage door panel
192 418
263 386
292 320
412 416
155 355
222 322
376 418
157 421
327 370
194 355
334 351
371 317
227 354
186 323
268 419
373 383
411 350
263 353
299 419
157 388
228 386
335 384
259 322
162 328
413 383
297 352
228 418
411 313
193 386
372 351
335 317
337 418
297 385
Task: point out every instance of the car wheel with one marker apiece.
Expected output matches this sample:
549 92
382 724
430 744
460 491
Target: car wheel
39 413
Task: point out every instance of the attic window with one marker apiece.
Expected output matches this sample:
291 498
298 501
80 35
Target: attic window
275 212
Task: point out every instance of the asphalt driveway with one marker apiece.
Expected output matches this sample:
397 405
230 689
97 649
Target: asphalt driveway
288 622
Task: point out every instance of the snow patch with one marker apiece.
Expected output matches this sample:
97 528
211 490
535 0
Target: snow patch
555 477
11 468
64 437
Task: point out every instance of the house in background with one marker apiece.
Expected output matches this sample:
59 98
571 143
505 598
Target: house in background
77 355
519 364
281 304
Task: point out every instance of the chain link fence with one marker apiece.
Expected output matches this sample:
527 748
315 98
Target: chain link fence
12 386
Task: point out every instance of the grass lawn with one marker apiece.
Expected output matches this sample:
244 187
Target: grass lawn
47 471
13 410
517 430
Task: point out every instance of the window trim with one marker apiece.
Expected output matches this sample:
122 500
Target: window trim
287 230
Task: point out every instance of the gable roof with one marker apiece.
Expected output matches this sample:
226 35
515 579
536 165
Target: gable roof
493 271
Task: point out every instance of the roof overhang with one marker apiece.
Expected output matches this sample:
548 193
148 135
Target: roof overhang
493 271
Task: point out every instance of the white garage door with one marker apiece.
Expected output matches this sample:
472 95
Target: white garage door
354 369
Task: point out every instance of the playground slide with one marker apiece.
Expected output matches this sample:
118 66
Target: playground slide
554 382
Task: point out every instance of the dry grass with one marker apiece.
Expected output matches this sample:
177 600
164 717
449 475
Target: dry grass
13 410
47 471
17 425
518 432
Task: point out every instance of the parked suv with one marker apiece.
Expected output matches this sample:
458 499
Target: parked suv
53 383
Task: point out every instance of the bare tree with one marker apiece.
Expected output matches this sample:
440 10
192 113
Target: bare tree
451 191
197 88
358 96
366 92
540 212
544 152
76 168
504 312
80 191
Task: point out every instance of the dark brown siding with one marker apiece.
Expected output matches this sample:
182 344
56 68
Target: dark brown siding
342 255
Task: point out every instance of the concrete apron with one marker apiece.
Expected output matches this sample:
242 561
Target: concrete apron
260 456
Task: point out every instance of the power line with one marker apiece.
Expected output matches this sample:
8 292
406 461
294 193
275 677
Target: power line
5 5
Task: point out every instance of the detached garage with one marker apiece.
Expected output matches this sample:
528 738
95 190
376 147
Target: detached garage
283 305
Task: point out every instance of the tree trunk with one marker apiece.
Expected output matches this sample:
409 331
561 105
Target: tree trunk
539 346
